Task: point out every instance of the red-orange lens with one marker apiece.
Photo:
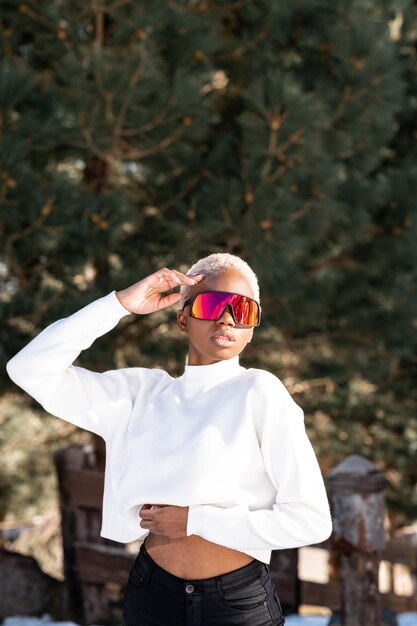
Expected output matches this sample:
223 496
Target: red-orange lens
210 305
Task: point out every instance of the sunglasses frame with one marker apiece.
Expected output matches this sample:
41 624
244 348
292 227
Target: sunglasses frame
230 293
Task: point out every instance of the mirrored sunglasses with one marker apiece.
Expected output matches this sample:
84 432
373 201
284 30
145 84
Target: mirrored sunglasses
210 305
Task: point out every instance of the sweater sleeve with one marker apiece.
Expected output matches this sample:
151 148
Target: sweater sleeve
300 514
43 368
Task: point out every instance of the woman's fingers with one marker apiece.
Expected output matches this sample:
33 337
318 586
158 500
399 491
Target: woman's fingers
169 279
171 521
145 296
143 512
164 275
166 279
189 280
148 507
180 277
169 300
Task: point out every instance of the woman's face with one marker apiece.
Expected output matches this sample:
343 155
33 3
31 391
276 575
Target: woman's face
212 341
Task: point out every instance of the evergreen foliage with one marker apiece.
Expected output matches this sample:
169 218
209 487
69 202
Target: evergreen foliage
142 135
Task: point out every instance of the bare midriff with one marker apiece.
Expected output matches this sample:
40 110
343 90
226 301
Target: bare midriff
193 557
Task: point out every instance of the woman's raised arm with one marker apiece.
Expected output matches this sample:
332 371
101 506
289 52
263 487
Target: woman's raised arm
91 400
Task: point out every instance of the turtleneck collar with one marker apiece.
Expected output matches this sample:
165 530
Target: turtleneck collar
211 374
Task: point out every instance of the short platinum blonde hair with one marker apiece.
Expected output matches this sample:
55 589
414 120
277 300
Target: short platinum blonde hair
215 264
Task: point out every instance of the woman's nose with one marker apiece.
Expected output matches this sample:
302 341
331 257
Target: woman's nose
226 317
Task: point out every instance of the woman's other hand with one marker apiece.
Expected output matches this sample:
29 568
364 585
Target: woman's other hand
145 296
165 519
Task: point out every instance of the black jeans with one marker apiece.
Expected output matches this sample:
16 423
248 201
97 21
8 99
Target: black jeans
243 597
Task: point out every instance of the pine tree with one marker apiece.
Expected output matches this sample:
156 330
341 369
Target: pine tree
139 135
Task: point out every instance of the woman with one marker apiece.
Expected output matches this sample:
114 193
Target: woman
214 468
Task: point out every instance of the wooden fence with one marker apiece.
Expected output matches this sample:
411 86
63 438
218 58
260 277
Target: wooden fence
294 592
96 569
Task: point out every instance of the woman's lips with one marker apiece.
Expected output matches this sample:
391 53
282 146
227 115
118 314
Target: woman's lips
223 339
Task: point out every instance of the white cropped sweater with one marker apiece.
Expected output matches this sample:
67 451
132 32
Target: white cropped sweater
225 440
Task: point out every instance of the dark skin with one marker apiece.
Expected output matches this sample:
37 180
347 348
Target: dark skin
204 348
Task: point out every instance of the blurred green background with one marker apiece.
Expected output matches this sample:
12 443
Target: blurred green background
137 135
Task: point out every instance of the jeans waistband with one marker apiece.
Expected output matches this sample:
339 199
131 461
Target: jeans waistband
243 575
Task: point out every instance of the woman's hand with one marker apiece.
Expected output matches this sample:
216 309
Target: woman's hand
145 296
167 520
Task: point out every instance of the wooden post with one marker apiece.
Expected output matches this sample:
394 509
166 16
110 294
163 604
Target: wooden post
355 488
89 559
74 456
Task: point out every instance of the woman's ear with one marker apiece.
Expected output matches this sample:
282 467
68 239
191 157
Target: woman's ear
182 321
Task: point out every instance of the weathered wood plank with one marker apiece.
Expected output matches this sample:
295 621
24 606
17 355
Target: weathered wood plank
102 564
84 486
401 550
320 594
401 604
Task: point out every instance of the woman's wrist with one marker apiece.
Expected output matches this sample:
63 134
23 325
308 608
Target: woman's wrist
122 299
